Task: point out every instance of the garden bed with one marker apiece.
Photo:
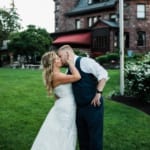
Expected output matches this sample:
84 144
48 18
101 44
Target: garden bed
133 102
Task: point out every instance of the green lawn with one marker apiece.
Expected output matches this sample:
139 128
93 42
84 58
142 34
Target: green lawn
24 105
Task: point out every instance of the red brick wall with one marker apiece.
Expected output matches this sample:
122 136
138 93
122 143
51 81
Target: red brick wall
64 23
131 23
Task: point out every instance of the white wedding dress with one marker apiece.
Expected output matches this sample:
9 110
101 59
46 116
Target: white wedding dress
58 131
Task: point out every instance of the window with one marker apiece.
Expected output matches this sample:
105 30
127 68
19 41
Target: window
56 24
89 21
100 40
96 1
141 41
140 11
57 6
90 1
126 39
92 20
116 40
77 24
113 17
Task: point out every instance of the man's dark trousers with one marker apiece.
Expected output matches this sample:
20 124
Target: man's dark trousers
90 127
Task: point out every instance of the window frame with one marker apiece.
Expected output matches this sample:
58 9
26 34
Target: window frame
141 14
77 24
139 42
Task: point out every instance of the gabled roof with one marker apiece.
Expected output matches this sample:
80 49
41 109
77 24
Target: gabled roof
83 7
107 22
111 23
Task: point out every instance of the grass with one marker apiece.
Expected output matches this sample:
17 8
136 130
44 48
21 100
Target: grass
24 106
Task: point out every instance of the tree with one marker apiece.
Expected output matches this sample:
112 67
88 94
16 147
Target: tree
9 22
30 42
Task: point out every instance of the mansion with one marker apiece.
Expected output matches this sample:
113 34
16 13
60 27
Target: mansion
93 25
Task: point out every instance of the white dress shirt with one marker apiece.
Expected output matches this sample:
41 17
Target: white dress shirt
89 65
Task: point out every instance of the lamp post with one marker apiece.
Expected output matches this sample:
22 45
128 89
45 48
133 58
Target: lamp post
121 37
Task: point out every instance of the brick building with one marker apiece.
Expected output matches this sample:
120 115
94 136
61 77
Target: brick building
94 24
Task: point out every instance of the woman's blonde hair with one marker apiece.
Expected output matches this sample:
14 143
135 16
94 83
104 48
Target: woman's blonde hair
47 63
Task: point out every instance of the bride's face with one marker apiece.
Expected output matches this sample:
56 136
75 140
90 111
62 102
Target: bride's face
57 61
63 56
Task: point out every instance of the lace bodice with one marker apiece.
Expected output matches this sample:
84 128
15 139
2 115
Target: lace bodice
64 90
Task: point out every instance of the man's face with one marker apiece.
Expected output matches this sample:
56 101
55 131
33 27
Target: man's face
63 56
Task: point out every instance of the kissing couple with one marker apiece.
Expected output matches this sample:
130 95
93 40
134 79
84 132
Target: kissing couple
78 109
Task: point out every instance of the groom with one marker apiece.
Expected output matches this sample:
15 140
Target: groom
88 96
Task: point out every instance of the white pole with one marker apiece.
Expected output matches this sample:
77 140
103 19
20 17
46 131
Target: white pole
121 34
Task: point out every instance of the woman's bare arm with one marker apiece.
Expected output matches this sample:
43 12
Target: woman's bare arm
62 78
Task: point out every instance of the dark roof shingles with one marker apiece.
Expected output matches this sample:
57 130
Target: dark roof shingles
83 7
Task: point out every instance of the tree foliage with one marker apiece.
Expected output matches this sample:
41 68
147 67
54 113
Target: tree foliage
30 41
9 22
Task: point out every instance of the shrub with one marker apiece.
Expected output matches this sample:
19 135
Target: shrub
113 57
108 58
102 59
137 78
80 53
138 56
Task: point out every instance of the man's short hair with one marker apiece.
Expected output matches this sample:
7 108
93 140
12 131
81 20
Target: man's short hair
65 47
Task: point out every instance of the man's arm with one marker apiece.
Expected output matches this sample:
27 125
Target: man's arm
100 87
91 66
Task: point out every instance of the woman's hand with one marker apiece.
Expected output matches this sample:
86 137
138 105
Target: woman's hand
69 58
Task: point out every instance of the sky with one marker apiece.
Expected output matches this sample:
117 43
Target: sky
36 12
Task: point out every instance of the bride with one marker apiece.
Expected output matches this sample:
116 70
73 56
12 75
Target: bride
59 128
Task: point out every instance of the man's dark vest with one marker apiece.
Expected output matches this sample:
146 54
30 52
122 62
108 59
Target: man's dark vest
85 89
